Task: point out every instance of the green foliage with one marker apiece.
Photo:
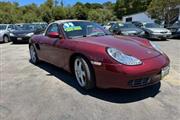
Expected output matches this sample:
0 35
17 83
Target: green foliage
59 13
80 11
101 15
125 7
163 9
52 10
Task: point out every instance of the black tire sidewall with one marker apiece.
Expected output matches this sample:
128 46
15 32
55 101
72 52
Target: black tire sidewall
37 59
5 36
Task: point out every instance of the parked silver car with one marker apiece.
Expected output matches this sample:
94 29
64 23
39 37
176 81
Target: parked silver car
4 32
153 30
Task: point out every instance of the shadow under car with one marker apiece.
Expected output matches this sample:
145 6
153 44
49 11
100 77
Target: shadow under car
109 95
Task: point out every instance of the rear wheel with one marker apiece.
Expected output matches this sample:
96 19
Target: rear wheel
33 55
5 39
84 73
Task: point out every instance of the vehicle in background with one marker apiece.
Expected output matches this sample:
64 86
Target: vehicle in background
22 34
127 29
175 29
109 24
98 59
153 30
38 27
4 32
41 26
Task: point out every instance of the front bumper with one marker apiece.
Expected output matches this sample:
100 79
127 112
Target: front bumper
160 36
20 39
135 34
131 77
176 35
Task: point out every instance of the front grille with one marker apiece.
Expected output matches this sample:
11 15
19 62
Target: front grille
163 32
21 35
139 82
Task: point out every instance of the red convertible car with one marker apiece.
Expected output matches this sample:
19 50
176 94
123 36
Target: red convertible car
97 58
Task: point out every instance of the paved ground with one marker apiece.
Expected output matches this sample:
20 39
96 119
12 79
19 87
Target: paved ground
45 92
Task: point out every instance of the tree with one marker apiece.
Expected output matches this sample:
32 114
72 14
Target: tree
51 10
70 12
126 7
49 3
46 13
59 13
80 11
108 5
163 9
100 15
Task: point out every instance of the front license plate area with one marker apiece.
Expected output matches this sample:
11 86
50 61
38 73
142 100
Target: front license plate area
19 38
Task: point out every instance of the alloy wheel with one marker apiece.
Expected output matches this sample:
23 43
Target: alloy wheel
6 39
33 54
82 71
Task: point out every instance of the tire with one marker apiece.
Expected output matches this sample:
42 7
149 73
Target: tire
14 42
33 55
5 39
84 73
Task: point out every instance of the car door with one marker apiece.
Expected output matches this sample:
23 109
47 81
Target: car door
51 47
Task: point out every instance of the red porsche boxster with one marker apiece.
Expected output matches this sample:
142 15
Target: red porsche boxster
97 58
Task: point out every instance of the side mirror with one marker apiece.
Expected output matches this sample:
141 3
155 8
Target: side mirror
9 29
54 35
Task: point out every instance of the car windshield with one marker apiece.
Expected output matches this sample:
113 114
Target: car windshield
111 24
28 27
83 29
16 27
3 27
129 25
152 25
177 24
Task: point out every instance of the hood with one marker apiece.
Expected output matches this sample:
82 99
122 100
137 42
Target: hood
3 30
17 32
127 45
158 29
131 30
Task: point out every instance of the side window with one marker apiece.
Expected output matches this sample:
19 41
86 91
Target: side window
10 27
129 19
115 26
53 28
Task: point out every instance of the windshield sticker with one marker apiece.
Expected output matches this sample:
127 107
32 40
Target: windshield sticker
67 25
73 28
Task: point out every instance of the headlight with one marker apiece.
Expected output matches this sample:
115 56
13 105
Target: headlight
142 33
178 30
30 34
11 34
155 33
123 58
124 33
155 46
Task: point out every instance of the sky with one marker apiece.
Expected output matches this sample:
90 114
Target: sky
66 2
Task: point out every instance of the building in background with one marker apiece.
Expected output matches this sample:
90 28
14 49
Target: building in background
142 17
170 19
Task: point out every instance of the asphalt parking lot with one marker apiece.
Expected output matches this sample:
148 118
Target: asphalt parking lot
44 92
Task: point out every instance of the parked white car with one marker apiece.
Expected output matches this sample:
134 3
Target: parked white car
109 24
153 30
4 32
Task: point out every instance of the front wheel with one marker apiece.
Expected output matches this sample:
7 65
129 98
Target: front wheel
5 39
84 73
33 55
